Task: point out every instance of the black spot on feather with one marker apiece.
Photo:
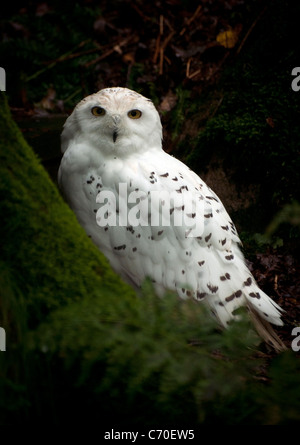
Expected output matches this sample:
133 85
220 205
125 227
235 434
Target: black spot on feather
255 295
248 282
207 238
212 288
122 247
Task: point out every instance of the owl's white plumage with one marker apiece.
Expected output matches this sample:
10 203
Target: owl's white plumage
104 145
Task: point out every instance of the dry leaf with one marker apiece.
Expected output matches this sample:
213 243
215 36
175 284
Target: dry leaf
228 38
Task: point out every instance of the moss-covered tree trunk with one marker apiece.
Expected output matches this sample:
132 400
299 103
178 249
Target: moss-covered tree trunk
46 260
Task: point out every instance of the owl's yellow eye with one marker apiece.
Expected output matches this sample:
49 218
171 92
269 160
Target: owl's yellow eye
134 114
98 111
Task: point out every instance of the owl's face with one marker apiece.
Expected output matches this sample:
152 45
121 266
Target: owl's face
114 121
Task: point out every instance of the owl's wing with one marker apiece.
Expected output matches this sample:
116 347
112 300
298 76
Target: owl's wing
200 256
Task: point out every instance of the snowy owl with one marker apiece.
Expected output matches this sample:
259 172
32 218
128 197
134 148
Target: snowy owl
150 214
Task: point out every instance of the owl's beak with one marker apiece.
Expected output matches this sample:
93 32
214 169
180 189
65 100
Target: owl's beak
116 120
115 135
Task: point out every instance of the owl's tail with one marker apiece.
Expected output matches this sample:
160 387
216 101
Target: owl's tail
242 290
266 331
264 313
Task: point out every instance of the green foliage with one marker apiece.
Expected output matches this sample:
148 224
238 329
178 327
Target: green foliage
283 407
149 353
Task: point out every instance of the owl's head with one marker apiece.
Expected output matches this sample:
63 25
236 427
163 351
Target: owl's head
114 120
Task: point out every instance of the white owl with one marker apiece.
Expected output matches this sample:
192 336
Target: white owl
112 148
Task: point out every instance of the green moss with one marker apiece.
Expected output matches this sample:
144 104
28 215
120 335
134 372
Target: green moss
47 262
40 235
